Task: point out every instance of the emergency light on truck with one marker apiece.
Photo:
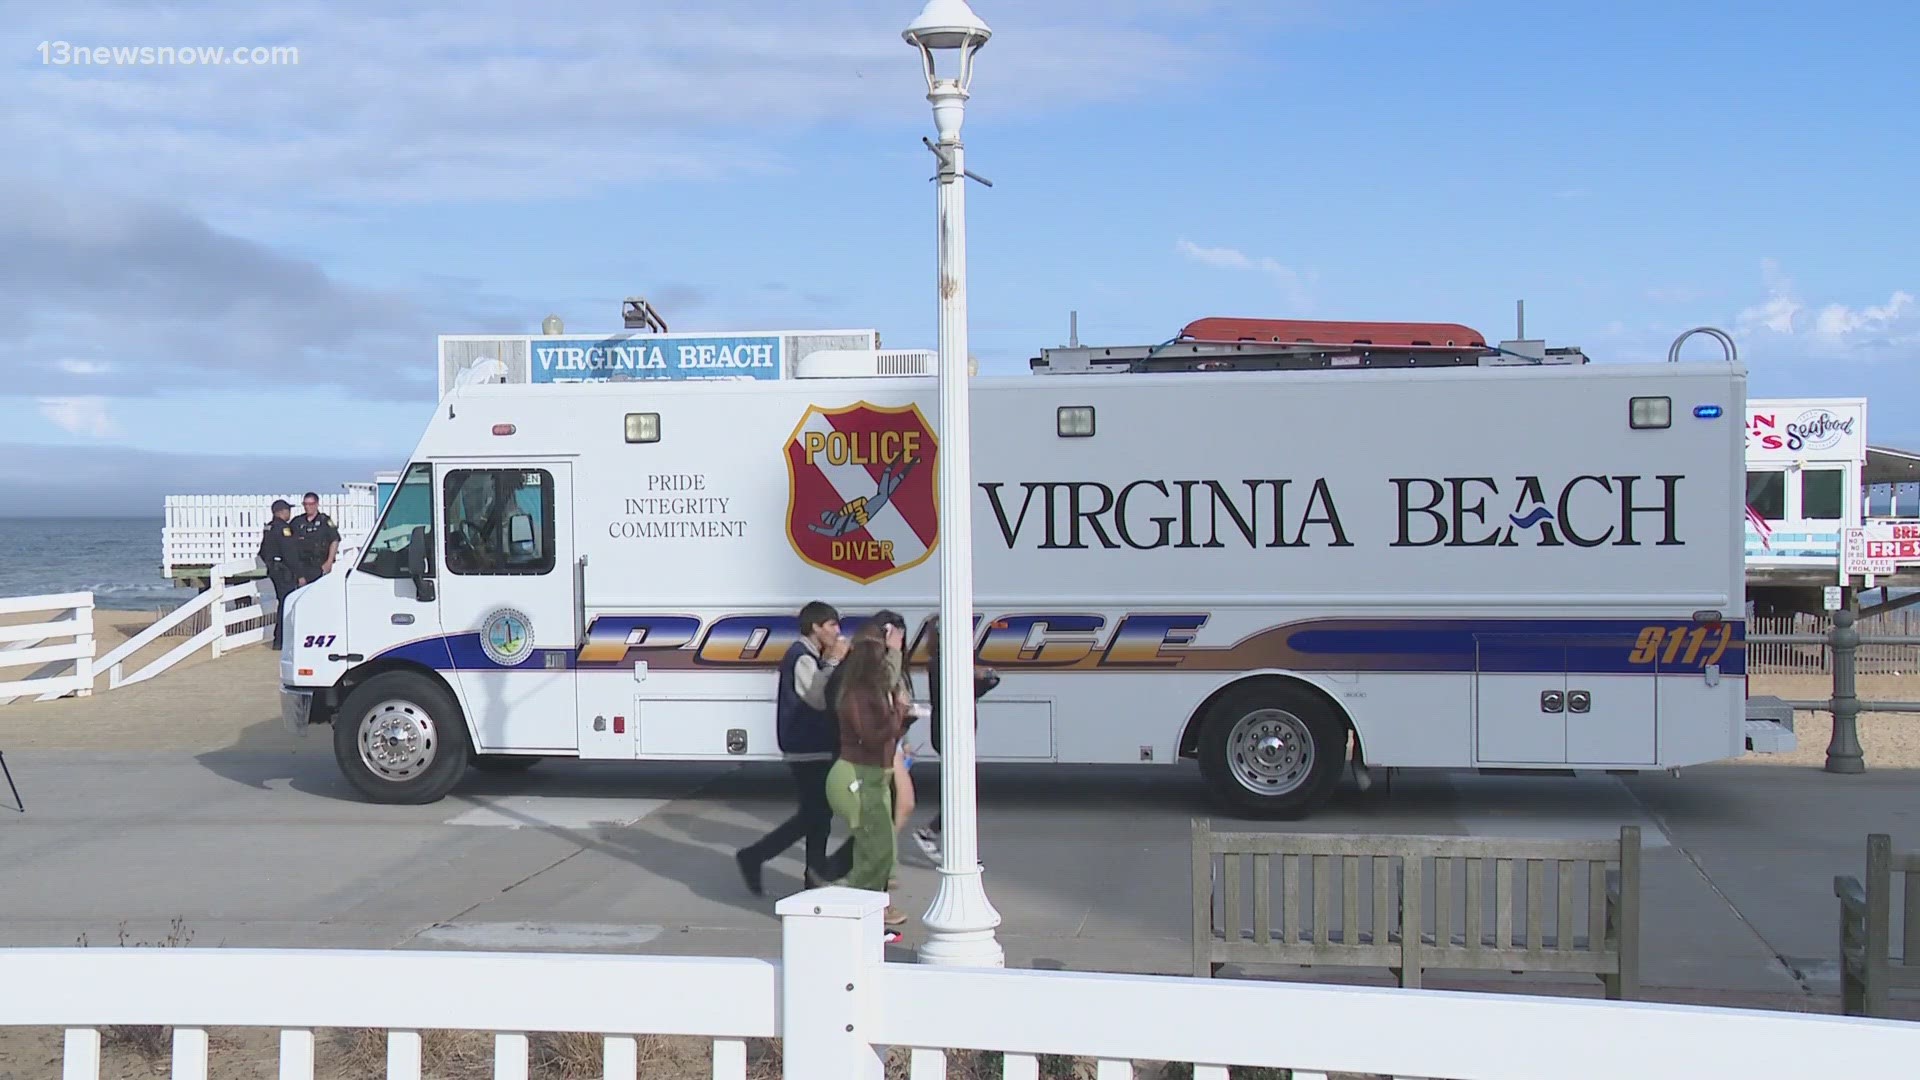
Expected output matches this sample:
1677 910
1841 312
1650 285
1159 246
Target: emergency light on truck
1651 412
643 427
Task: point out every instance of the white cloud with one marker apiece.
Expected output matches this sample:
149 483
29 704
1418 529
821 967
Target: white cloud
1832 327
1838 320
1214 256
401 102
83 368
1778 311
80 416
1291 283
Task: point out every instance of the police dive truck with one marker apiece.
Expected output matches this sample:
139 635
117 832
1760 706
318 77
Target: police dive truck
1281 550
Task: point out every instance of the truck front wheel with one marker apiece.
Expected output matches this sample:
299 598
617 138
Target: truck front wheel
1272 749
399 738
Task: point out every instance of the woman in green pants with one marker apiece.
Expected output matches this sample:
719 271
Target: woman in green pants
873 714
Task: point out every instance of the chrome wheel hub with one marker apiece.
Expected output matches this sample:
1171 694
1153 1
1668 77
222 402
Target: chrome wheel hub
1270 751
398 740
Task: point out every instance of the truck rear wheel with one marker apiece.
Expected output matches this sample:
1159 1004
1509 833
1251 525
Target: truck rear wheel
1272 749
399 738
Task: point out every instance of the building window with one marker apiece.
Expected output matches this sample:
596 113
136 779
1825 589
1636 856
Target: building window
1822 494
1767 494
499 521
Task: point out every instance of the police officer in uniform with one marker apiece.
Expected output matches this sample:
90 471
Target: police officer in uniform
278 549
318 540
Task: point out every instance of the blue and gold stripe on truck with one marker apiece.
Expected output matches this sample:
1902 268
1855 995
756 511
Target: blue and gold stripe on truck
1161 641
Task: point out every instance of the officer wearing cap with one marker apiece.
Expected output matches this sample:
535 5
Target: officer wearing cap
318 540
279 550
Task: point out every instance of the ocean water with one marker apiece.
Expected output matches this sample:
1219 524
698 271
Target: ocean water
118 559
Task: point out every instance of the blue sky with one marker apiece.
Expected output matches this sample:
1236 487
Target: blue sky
217 274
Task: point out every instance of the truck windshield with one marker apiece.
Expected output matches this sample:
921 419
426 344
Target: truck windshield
410 508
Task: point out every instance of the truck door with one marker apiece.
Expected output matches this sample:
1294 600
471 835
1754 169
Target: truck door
389 600
508 601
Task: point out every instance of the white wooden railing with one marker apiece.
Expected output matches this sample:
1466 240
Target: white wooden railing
238 614
836 1006
63 618
204 530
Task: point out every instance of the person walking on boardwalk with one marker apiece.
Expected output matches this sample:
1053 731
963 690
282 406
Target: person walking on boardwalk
280 551
873 715
808 742
890 628
319 540
984 679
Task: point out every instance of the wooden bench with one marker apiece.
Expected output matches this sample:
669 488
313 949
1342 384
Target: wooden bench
1590 925
1868 974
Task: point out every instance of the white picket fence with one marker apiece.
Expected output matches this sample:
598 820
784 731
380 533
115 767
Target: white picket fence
836 1005
238 615
234 613
63 618
205 530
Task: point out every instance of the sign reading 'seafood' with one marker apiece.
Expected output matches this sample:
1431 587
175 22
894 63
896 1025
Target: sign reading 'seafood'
656 356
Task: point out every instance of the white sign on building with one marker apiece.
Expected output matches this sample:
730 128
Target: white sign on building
1799 429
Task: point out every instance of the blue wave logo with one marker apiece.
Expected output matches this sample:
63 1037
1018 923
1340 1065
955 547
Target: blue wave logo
1534 517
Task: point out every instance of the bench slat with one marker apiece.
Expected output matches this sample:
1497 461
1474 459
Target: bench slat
1382 925
1291 866
1350 898
1503 903
1379 894
1411 898
1398 845
1564 925
1443 898
1476 885
1597 904
1321 916
1230 902
1910 935
1536 905
1262 899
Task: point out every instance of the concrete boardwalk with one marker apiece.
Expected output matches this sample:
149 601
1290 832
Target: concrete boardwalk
181 799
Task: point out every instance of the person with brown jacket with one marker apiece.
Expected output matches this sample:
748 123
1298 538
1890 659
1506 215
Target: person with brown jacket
873 715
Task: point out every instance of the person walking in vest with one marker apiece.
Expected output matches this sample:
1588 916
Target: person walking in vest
809 741
873 715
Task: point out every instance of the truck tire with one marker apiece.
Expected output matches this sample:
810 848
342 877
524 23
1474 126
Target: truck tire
399 738
505 763
1272 749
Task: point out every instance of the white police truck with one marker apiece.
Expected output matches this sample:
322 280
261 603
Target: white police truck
1281 550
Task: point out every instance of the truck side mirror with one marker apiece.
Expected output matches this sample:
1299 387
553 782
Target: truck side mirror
419 553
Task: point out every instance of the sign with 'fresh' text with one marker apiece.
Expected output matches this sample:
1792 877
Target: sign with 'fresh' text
655 356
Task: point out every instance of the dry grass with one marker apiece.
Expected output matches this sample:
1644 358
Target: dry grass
151 1043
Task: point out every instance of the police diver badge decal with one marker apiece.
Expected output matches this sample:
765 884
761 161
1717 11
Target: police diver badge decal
507 637
861 494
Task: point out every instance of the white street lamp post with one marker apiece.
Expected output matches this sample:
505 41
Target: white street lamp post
960 923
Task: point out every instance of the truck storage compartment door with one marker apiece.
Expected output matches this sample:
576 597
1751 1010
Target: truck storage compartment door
1520 700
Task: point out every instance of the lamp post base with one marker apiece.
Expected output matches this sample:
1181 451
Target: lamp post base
960 924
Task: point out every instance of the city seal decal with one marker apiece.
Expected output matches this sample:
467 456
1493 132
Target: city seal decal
861 491
507 637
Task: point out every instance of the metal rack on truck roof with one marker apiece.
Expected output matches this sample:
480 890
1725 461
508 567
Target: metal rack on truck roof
1224 344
